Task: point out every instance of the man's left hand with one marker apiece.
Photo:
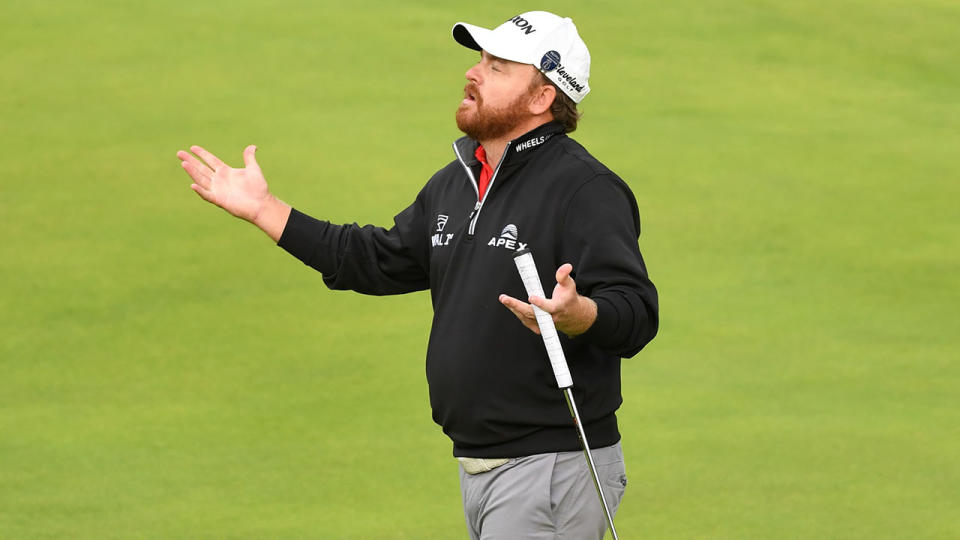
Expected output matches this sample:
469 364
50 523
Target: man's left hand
572 313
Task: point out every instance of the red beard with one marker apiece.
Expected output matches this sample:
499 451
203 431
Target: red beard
483 123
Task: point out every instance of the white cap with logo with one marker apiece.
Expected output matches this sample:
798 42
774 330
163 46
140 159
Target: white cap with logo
546 41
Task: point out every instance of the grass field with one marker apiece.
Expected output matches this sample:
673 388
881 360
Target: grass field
165 372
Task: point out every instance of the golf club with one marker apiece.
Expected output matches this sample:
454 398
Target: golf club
531 281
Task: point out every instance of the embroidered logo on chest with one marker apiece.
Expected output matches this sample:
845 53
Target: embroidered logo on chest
440 239
508 239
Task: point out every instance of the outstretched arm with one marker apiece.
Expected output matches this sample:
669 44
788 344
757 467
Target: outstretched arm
619 313
241 192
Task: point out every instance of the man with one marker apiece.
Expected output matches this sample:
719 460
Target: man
518 181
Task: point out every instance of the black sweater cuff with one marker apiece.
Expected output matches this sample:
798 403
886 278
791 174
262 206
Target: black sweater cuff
605 326
622 327
311 240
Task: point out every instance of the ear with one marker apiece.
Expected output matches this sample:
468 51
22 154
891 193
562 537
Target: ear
542 98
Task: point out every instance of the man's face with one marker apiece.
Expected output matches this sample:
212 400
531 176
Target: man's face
496 98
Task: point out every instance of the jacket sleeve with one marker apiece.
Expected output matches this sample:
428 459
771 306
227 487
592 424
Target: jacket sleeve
599 238
368 259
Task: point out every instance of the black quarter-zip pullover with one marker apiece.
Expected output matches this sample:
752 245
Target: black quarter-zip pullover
491 386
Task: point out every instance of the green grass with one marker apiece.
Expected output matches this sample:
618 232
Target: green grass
167 373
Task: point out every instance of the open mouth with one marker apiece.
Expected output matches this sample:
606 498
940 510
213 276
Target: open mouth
469 94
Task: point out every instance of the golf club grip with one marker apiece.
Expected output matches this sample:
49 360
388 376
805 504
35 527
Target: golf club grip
531 281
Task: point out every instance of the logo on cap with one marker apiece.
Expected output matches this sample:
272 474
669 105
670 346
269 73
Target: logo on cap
550 61
523 24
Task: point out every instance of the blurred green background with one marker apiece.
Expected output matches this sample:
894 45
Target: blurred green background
165 372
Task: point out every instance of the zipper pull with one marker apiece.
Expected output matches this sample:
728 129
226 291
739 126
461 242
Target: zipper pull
474 212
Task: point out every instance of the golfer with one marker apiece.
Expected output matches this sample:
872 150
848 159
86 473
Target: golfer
516 181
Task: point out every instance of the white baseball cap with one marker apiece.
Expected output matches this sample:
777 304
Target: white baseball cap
539 38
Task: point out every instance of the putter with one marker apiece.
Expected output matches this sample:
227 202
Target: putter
531 281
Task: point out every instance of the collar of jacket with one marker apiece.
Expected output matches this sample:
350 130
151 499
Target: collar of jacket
518 150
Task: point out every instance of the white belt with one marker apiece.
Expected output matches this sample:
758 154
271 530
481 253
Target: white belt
480 465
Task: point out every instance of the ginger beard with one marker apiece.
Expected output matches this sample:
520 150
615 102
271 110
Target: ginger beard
484 123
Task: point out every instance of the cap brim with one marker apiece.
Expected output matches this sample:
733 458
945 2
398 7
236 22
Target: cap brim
483 39
464 34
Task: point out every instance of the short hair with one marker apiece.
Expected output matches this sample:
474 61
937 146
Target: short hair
564 108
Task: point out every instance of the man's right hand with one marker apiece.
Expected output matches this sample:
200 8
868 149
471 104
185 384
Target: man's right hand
242 192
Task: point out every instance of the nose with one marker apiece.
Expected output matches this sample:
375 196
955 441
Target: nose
473 74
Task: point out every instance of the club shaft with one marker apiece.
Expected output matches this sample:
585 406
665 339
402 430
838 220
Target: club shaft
568 394
531 281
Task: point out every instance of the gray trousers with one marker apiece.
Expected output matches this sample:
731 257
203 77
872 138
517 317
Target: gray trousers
544 496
